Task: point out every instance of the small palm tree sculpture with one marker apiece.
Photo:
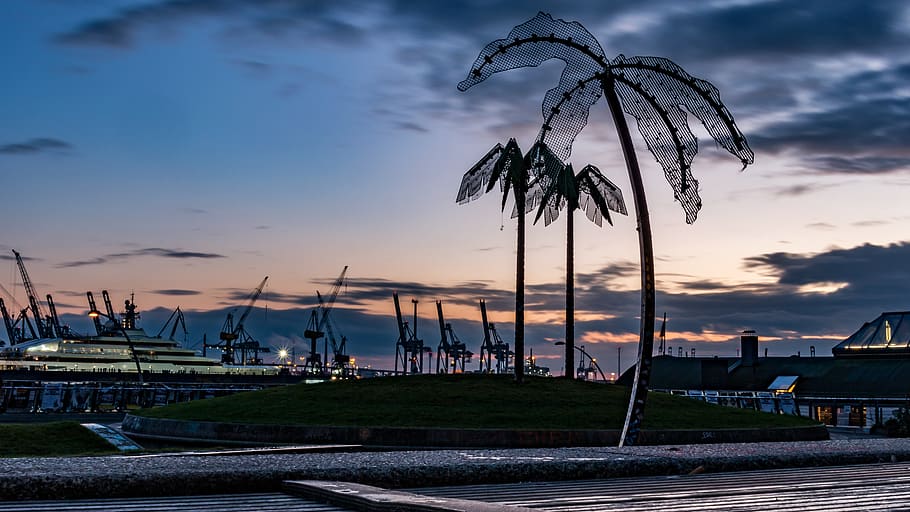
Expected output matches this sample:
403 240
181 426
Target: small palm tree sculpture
513 171
655 91
591 191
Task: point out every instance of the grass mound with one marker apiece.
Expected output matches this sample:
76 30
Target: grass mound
464 401
57 439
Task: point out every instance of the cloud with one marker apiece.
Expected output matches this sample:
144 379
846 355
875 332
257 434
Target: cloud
34 146
411 126
319 20
149 251
176 292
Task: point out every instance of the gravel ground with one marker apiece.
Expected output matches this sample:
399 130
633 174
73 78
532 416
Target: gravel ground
184 474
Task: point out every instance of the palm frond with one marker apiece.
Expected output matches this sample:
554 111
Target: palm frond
655 91
565 107
473 183
598 195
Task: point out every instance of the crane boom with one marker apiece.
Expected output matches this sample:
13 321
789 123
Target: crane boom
326 305
44 327
249 306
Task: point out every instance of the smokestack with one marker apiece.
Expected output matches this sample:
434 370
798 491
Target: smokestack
749 346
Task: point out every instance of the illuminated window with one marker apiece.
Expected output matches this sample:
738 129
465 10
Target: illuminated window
887 331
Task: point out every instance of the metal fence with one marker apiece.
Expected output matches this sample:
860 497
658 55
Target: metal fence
37 397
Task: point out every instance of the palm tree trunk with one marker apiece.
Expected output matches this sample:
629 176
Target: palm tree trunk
520 186
570 293
636 411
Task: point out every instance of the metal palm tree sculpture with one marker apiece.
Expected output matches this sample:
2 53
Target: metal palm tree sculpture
591 191
655 91
513 171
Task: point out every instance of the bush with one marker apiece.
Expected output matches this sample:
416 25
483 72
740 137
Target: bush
899 424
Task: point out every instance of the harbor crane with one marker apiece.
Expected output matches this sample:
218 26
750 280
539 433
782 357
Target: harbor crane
321 325
493 347
178 321
451 352
409 349
234 337
43 323
16 328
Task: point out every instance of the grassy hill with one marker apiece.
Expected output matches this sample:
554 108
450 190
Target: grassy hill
464 401
57 439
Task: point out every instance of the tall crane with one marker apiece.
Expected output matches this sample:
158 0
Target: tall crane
320 326
340 359
451 352
231 333
409 349
42 322
493 347
179 321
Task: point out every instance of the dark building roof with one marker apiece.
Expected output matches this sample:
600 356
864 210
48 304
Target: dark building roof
816 376
887 335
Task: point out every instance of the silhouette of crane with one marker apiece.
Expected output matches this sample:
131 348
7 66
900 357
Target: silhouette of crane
234 337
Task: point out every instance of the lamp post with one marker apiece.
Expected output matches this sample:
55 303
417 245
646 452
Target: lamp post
583 355
95 314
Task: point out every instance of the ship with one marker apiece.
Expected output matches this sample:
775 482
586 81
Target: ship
120 346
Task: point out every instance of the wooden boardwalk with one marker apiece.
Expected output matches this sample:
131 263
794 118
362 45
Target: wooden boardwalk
837 488
213 503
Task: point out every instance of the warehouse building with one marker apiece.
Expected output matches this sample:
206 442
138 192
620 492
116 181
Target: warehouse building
865 381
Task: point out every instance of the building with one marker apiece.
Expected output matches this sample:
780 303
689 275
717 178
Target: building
865 381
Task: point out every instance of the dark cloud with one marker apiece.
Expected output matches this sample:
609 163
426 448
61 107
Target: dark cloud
800 189
149 251
317 20
254 67
176 292
861 125
774 30
34 146
411 127
859 164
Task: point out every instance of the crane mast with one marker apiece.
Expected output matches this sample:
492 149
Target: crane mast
96 319
55 320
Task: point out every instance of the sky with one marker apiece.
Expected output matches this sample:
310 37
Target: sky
182 150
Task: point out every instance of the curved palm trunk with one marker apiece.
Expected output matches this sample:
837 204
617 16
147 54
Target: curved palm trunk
635 413
570 294
520 186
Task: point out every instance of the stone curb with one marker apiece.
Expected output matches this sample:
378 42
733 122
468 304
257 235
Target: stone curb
131 476
234 433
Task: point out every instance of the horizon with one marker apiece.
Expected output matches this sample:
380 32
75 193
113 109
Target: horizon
184 150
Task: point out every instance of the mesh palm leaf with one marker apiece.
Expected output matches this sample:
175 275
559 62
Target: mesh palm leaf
597 195
474 182
588 190
506 165
565 107
652 89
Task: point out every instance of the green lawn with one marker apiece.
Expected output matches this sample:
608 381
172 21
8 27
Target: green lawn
463 401
58 439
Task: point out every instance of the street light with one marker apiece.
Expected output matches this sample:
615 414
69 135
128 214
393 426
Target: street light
95 314
585 354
